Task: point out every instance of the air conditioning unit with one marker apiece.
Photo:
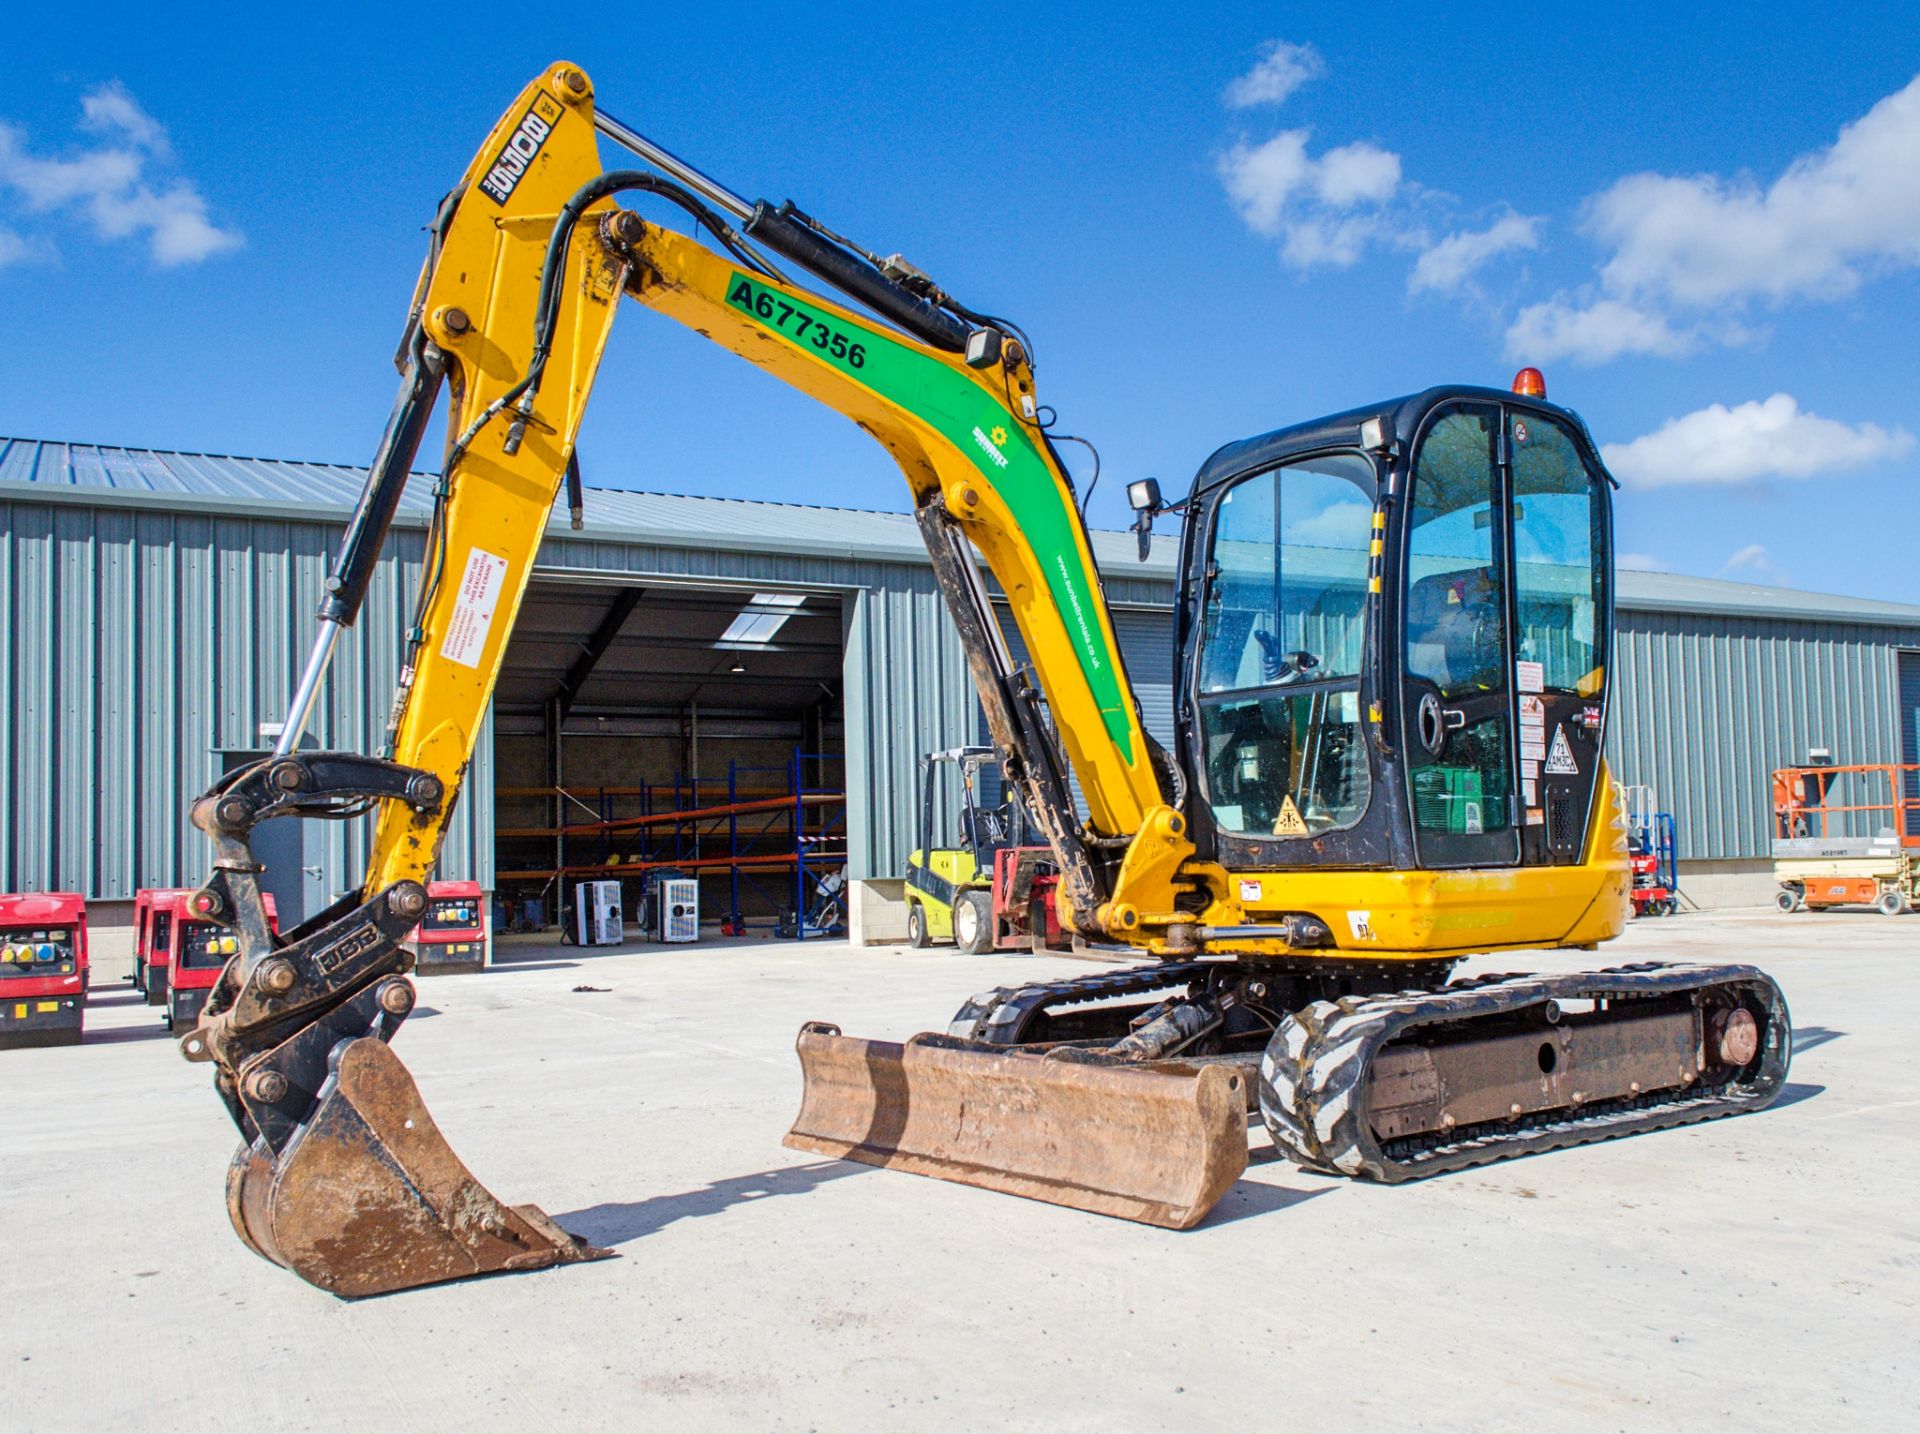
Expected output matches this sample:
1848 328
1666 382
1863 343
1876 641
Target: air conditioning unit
680 910
596 913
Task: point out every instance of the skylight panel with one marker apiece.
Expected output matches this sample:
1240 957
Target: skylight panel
760 619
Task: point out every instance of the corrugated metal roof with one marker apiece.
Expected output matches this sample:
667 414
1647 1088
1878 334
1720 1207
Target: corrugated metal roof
97 473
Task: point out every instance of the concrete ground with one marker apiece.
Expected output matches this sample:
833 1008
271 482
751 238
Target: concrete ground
1755 1273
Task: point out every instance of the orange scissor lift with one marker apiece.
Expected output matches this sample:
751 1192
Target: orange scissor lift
1847 835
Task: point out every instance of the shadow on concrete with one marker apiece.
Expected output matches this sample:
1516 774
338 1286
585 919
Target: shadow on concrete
1253 1197
1805 1038
620 1224
512 964
1793 1092
105 996
120 1035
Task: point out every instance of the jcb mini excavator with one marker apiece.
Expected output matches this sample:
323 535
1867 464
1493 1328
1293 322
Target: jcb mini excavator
1394 643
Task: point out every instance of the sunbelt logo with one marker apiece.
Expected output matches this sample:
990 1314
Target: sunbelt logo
991 446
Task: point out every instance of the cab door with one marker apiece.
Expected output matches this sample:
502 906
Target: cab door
1562 571
1456 655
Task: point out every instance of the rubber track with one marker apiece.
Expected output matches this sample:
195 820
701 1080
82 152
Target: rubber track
1312 1078
1000 1017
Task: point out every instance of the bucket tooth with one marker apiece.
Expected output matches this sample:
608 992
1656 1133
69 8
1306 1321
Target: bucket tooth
1158 1144
368 1198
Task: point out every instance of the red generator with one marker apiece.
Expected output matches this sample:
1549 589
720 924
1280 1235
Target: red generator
43 969
155 909
452 937
200 950
1025 917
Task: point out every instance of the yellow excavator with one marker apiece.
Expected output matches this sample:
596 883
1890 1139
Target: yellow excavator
1394 632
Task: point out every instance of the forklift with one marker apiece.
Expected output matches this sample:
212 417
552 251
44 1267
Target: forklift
993 889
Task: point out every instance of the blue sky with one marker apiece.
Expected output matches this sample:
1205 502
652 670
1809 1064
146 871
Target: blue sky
1702 222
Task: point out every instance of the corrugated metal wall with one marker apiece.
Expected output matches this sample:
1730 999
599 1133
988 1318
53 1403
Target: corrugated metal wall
1909 723
1707 707
141 645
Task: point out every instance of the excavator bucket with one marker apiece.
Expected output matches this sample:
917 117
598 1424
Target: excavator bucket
367 1197
1158 1144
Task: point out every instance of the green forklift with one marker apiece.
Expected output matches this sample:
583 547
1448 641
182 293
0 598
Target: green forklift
993 889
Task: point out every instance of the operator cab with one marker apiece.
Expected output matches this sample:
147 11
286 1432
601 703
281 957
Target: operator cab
1393 632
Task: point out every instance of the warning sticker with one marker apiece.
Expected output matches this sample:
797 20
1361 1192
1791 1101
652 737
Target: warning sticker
1528 791
1288 823
1533 747
1529 676
1560 761
1360 923
1474 825
1536 817
473 607
1249 889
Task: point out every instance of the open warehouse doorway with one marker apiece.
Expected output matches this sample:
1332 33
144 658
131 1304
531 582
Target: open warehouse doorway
646 730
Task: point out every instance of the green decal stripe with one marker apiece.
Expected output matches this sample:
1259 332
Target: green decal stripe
987 434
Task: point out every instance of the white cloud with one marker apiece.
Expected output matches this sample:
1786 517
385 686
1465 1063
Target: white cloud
1771 438
1358 173
1639 563
1753 561
1329 209
1711 247
1343 524
1282 69
112 109
1704 240
1603 330
1325 209
13 249
114 186
1449 264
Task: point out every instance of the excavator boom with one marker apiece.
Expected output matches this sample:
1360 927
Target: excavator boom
342 1175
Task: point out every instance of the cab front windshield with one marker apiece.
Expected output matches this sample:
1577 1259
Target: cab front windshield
1280 652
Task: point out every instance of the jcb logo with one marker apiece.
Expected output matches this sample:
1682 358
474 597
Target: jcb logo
518 152
354 944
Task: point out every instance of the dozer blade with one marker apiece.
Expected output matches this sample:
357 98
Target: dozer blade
1158 1144
368 1198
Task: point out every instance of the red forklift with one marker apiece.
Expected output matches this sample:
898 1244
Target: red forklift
452 937
43 969
182 954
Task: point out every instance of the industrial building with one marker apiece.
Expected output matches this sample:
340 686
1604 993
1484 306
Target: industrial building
779 668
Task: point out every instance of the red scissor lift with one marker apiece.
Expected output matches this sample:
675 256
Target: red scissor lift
43 969
452 936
